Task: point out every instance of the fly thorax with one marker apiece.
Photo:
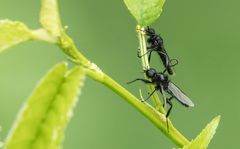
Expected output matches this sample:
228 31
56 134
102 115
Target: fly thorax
162 78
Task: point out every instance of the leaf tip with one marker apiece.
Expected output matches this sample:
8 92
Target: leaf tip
204 138
216 121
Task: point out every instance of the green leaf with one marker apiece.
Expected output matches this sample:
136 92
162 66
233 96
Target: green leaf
49 17
145 11
204 138
46 113
12 33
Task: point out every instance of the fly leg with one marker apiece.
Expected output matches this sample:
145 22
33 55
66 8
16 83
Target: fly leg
139 55
149 49
139 79
173 64
149 56
152 47
145 81
150 95
163 94
169 110
170 106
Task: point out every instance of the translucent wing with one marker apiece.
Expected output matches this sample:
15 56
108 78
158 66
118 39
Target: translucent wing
179 95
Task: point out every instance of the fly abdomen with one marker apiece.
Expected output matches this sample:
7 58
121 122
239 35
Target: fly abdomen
165 60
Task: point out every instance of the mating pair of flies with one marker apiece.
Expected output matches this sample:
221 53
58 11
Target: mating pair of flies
160 79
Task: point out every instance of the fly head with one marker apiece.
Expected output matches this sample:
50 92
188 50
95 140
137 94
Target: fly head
151 73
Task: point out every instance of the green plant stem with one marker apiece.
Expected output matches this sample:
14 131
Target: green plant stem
94 72
145 64
157 118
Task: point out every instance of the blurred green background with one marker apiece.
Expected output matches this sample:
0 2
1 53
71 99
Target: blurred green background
203 35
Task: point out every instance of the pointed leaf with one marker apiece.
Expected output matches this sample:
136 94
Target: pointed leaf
46 113
145 11
204 138
49 17
12 33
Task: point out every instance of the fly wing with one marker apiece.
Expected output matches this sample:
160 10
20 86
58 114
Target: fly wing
179 95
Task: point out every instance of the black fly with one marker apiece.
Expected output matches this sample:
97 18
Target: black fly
163 84
156 44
